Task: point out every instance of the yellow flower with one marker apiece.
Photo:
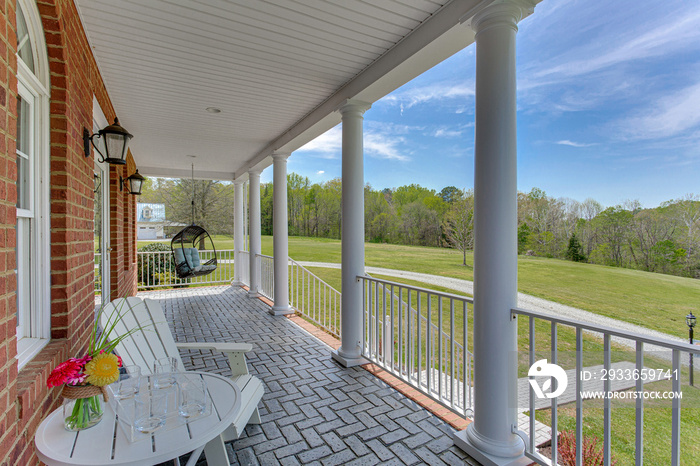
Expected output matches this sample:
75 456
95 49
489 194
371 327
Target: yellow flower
102 370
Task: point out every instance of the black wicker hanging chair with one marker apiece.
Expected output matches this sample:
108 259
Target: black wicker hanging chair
186 246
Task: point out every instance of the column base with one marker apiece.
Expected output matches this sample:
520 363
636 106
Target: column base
281 310
237 283
464 441
253 294
348 362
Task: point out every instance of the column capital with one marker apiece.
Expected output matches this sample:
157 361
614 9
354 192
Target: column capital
502 13
353 106
254 172
239 182
280 155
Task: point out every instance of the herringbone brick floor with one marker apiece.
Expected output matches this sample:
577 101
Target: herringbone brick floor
314 411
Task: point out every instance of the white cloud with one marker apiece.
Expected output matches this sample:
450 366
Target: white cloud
433 92
384 146
669 116
328 145
380 142
659 37
446 133
320 172
566 142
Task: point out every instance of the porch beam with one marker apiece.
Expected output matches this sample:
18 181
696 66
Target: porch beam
238 232
491 438
280 236
352 234
255 248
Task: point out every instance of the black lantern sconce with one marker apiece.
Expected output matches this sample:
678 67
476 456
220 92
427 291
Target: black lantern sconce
134 182
116 140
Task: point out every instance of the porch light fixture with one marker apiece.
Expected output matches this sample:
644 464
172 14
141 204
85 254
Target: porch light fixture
98 181
116 140
135 183
690 320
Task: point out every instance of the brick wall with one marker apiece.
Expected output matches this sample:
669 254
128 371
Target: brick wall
24 398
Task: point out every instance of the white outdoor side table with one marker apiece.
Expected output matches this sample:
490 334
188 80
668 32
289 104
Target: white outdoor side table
107 444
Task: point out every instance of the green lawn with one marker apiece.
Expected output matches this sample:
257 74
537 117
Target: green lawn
656 301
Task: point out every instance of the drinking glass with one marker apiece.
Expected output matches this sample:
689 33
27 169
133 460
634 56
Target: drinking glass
129 383
191 395
164 372
152 410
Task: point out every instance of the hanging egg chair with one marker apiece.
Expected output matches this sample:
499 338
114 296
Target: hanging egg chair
186 246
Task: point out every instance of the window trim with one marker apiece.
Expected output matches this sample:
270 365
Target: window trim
37 333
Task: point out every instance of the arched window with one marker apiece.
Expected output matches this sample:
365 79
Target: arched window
32 227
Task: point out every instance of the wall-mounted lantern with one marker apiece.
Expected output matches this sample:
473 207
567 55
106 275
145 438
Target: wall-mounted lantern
116 140
134 183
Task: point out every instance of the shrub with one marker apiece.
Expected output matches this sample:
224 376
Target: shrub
592 453
153 269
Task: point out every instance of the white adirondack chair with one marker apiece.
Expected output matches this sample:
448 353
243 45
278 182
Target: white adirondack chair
154 341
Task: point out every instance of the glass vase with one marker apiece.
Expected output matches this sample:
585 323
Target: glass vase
82 413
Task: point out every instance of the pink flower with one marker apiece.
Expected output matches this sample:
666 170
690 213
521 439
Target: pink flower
62 372
76 380
82 361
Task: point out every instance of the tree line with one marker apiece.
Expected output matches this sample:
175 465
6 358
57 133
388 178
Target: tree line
665 239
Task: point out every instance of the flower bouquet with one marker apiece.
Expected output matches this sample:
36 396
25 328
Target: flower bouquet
84 379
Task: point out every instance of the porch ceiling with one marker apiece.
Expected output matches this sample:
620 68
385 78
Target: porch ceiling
277 69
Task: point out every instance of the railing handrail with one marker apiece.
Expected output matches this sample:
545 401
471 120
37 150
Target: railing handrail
417 288
170 252
654 341
293 262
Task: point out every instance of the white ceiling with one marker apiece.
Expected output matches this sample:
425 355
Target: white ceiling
277 69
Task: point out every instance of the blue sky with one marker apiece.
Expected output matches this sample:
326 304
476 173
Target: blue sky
608 108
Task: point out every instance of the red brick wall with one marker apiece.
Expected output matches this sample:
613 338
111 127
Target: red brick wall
24 398
8 199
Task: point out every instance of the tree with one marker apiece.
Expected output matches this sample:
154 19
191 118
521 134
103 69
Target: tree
459 223
575 252
611 227
210 200
378 216
450 194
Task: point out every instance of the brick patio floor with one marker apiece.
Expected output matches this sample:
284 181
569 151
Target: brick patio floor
314 411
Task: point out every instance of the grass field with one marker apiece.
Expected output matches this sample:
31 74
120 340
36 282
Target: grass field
652 300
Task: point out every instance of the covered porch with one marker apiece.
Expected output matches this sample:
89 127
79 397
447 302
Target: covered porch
314 411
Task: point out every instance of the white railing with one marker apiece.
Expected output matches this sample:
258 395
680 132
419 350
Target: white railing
314 299
266 265
244 267
156 269
420 336
670 366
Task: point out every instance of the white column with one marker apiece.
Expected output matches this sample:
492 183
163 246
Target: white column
280 235
352 234
255 242
238 231
490 438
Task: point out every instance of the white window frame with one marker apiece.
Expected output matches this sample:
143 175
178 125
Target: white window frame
35 331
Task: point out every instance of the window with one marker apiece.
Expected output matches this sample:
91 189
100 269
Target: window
147 213
31 229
